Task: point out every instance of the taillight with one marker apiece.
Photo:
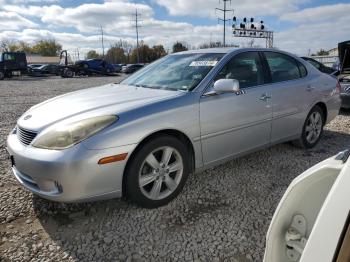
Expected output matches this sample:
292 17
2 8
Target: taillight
338 87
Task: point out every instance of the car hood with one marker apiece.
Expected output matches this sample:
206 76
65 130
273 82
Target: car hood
108 99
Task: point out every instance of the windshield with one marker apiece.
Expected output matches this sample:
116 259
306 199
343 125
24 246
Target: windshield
175 72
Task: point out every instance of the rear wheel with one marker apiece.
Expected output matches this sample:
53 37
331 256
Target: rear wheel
68 73
2 75
157 172
312 129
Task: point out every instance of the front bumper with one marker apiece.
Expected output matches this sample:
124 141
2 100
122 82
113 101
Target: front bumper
71 175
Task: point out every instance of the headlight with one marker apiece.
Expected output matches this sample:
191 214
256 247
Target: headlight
64 136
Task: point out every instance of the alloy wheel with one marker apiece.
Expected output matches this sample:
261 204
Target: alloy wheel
313 127
160 173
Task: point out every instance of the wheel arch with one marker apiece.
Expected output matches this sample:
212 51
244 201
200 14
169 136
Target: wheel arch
170 132
323 106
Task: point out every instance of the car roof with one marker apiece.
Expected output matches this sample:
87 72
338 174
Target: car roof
224 50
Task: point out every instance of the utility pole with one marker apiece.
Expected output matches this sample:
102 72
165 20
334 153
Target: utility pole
103 46
77 54
225 10
136 20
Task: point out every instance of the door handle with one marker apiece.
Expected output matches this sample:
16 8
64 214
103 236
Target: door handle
265 97
310 88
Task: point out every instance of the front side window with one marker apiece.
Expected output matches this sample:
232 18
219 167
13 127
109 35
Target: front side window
244 67
175 72
282 67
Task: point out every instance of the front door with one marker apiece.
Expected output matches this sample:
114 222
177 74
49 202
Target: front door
233 123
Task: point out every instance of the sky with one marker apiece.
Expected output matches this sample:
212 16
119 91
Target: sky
300 26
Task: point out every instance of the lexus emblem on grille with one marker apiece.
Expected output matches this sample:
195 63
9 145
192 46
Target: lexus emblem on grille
27 117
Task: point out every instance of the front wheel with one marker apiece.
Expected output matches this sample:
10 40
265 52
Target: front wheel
157 172
312 129
2 75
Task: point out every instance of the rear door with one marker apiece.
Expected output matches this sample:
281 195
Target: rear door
292 95
233 123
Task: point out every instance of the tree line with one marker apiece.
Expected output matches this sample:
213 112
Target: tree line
42 47
121 52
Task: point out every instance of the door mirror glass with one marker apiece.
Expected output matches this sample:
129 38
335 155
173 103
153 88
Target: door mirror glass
226 86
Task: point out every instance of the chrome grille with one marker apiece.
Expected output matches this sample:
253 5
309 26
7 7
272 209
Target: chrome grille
25 136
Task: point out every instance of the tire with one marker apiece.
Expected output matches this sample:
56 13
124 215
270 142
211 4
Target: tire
152 187
312 129
68 73
2 75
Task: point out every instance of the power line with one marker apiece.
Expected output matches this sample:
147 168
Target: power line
224 10
136 19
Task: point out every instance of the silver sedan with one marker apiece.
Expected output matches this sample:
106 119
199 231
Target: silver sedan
179 115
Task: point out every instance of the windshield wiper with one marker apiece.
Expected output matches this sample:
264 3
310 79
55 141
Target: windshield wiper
161 87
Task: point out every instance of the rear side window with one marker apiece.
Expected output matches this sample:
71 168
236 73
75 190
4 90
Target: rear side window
284 67
302 69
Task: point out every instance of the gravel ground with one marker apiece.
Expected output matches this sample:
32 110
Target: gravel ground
222 214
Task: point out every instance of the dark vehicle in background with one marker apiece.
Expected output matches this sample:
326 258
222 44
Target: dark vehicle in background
344 74
44 70
12 64
320 66
117 67
84 67
129 69
95 66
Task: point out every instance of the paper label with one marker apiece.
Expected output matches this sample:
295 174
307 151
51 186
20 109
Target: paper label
203 63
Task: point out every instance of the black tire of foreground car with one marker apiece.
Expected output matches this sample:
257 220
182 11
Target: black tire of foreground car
314 124
157 172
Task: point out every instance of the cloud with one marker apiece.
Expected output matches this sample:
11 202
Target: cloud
314 28
116 19
242 8
313 36
330 13
14 21
112 15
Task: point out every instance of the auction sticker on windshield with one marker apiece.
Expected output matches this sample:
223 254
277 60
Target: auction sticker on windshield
203 63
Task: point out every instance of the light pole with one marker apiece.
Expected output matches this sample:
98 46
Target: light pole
247 28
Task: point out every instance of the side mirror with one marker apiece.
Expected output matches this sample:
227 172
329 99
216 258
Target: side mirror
226 86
